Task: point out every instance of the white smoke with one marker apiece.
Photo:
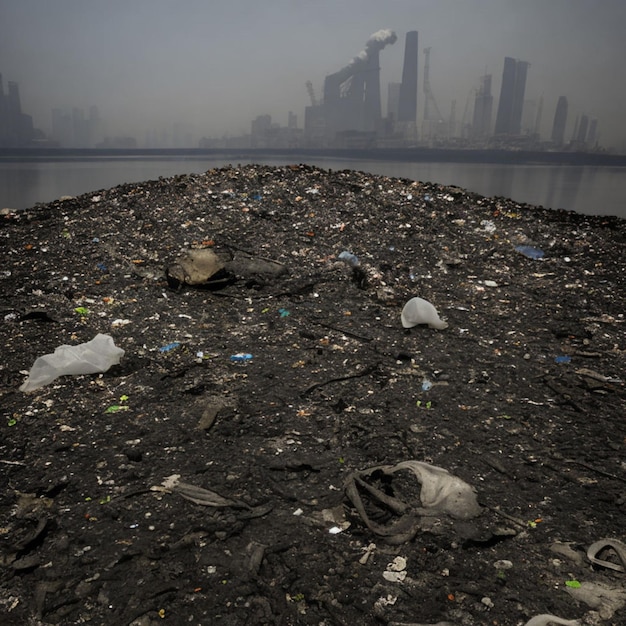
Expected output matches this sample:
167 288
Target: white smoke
377 41
380 39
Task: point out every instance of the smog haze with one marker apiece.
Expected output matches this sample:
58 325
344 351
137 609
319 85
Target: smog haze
212 67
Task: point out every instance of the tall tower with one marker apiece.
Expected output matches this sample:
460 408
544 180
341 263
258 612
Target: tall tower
407 104
560 120
511 104
483 106
581 137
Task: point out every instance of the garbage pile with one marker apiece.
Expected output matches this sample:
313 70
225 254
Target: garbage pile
287 395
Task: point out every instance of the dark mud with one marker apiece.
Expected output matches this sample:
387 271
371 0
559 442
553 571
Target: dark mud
521 397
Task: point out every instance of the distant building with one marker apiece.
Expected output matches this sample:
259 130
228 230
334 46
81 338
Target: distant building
592 134
583 125
16 128
483 106
393 101
560 121
407 99
511 103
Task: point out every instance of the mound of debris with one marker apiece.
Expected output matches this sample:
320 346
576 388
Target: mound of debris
311 397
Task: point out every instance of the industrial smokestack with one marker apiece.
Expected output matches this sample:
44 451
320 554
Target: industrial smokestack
407 104
376 42
352 95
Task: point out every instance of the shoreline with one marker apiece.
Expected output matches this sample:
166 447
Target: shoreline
407 155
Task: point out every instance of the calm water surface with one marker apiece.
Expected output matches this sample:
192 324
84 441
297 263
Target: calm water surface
585 189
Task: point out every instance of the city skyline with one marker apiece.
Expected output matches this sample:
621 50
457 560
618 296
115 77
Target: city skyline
211 71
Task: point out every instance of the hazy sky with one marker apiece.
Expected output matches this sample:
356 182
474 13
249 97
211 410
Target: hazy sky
214 65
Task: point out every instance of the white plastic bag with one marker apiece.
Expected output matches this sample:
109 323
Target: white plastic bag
95 356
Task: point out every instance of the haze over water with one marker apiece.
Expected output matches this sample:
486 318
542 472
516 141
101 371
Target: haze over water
185 70
585 189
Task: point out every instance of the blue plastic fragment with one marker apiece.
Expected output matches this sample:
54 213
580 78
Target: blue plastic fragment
170 346
530 251
351 259
241 357
426 385
102 267
283 312
562 359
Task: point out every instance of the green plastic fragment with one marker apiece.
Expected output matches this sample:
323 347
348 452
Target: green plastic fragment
115 408
81 310
574 584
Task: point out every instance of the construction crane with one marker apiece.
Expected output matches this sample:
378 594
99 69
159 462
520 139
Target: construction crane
309 88
429 99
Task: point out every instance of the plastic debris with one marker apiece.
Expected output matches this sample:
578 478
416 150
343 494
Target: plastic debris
426 385
530 251
241 357
606 546
349 259
170 346
419 311
551 620
196 267
441 492
92 357
562 359
605 599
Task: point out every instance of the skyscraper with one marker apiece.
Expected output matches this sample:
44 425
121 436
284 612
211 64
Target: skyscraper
581 136
511 104
560 120
483 105
407 104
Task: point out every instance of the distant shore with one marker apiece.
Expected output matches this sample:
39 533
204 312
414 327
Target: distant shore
445 155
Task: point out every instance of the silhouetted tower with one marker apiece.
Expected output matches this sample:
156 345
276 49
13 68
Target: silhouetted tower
511 104
407 103
483 107
430 105
592 135
581 137
560 120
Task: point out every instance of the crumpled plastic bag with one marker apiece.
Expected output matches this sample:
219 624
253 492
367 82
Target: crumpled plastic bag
92 357
419 311
441 492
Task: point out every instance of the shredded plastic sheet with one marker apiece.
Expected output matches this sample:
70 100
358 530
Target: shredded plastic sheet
441 492
92 357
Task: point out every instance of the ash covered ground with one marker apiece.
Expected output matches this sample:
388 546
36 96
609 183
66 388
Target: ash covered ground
183 486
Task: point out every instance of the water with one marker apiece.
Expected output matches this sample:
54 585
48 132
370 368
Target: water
585 189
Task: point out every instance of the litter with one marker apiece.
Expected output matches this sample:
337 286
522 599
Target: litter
604 546
241 357
349 259
530 252
441 492
606 600
419 311
170 346
550 620
92 357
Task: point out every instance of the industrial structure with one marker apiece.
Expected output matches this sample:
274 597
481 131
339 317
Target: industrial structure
483 107
16 128
560 120
407 97
352 101
348 113
511 104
